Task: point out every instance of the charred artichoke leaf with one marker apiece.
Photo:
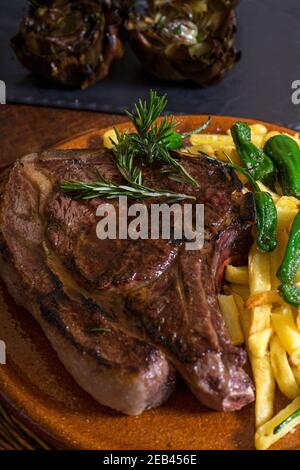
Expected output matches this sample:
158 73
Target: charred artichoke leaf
70 42
184 40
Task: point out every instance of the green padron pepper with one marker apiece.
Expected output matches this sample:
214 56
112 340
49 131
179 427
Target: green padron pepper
266 214
255 160
285 154
266 221
290 266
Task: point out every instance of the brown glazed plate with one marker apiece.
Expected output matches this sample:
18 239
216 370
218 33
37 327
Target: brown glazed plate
38 390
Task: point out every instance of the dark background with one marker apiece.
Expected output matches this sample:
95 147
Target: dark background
259 86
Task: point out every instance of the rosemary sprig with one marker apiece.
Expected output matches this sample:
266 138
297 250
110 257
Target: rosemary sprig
125 154
109 190
150 145
153 141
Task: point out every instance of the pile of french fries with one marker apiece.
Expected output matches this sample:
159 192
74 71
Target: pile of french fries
254 312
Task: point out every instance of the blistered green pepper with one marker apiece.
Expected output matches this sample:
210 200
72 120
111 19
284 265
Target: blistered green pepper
290 266
255 160
266 221
285 154
266 214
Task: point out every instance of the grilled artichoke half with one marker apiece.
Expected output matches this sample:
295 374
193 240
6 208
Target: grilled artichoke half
69 42
184 40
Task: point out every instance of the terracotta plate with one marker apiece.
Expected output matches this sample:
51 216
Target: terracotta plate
37 388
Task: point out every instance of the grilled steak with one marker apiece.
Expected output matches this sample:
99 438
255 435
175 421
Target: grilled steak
123 315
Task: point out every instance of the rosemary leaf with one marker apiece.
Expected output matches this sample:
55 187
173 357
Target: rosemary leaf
288 420
81 190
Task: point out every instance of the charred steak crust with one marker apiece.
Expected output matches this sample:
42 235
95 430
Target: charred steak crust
157 300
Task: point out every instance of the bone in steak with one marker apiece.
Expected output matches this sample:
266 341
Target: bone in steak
158 300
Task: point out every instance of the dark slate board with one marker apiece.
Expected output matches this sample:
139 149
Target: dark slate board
259 86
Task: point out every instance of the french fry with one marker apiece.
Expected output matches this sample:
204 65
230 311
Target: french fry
276 259
296 373
107 137
263 298
296 311
237 274
261 367
258 343
230 152
205 148
282 370
288 333
227 154
215 140
265 436
245 319
259 271
259 129
287 209
219 141
282 239
230 314
239 303
298 319
224 154
221 154
257 139
239 289
259 281
265 388
244 316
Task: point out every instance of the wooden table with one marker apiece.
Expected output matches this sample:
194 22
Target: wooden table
26 129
